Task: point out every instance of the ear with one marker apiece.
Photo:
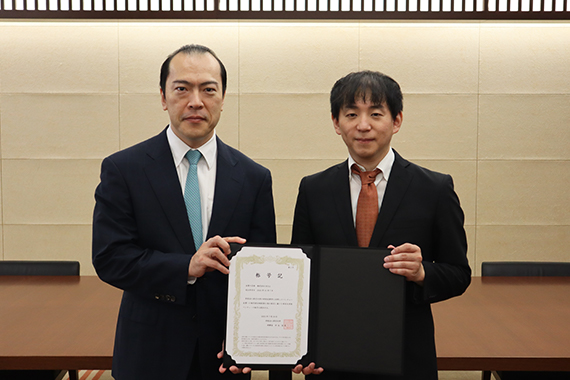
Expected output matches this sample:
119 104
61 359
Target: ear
397 122
336 126
163 100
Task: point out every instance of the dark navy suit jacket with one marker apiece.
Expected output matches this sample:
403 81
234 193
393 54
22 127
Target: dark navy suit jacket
142 244
419 207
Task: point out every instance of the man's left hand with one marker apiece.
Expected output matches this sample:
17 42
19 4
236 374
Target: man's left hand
406 260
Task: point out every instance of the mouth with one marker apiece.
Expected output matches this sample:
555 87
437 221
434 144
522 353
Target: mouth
194 118
364 141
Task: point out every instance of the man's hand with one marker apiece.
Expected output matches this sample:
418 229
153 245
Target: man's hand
212 255
308 370
406 260
233 369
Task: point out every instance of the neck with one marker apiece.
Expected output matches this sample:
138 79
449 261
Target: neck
370 163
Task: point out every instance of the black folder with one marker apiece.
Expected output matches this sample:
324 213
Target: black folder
356 312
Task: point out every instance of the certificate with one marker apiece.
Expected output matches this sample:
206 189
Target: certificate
268 306
354 320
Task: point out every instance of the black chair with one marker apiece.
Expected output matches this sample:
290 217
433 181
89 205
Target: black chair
525 269
38 268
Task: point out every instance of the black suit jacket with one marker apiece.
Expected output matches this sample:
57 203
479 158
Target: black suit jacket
419 207
142 244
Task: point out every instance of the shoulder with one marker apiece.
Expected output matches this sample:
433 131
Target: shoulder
320 182
419 173
235 157
328 174
151 148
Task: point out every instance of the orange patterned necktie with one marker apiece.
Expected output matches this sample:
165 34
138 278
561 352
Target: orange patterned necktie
367 206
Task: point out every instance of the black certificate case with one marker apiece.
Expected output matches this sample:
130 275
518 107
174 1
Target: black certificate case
356 312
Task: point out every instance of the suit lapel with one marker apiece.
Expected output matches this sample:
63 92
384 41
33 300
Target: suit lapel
229 183
341 194
396 188
161 174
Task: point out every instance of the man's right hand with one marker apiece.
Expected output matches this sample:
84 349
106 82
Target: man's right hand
212 255
311 369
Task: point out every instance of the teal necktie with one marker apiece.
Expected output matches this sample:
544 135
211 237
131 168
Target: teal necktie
192 197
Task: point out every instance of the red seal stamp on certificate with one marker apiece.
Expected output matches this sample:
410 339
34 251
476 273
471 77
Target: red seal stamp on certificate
288 324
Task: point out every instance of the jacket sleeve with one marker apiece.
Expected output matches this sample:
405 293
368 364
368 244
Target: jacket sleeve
302 232
118 255
447 271
262 228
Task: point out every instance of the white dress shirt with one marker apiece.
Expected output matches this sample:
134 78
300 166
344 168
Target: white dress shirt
206 172
381 180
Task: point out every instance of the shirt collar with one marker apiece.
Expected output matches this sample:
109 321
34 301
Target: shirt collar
179 148
385 165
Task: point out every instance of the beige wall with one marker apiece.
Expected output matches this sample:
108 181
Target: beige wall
488 103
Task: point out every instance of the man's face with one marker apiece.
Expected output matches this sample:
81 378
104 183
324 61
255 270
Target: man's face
193 97
367 130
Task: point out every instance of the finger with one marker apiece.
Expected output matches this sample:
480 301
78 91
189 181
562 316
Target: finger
406 247
222 369
309 369
218 256
207 261
315 371
235 239
223 246
224 243
404 265
298 368
406 272
404 257
235 370
402 268
213 264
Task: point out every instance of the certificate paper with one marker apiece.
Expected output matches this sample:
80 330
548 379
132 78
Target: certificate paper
268 305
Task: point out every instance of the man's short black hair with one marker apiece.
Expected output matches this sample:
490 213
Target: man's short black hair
363 84
191 49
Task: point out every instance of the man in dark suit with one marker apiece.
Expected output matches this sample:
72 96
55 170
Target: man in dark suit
166 210
378 199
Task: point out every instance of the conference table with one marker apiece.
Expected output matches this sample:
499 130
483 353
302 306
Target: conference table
57 322
506 323
500 323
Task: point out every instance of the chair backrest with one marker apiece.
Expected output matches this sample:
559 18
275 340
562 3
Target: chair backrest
525 268
39 268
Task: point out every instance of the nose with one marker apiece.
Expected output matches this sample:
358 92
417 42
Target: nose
363 124
194 100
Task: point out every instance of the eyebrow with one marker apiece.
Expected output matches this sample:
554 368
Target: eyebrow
353 105
181 81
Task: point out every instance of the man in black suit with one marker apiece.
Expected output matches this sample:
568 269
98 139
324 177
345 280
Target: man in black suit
412 211
164 246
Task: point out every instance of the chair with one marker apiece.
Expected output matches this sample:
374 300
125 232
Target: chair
525 269
38 268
